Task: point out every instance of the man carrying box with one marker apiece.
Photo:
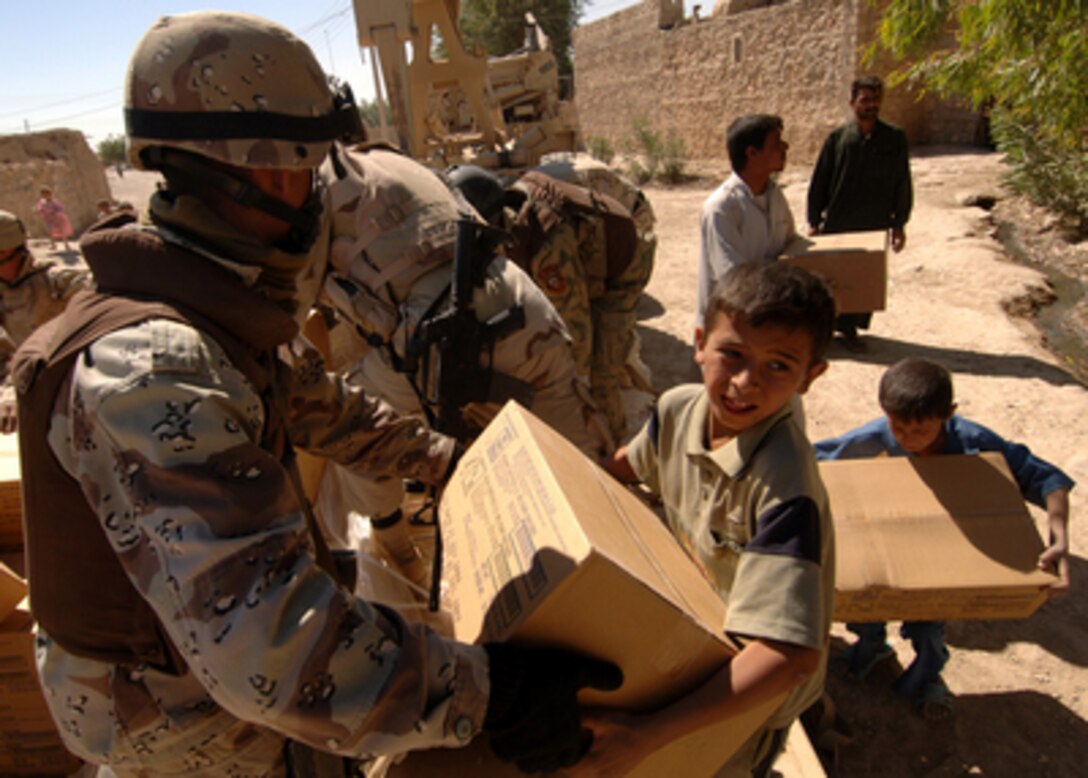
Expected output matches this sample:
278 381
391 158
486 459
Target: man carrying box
862 182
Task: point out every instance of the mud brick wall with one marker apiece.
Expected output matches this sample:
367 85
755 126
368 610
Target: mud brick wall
59 159
795 59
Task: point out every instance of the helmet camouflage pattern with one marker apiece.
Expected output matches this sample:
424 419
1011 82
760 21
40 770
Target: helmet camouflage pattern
233 87
12 232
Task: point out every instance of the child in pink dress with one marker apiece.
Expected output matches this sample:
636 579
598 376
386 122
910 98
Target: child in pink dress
56 220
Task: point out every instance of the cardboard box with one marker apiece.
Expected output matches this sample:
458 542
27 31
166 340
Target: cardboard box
29 743
854 265
11 498
932 538
543 547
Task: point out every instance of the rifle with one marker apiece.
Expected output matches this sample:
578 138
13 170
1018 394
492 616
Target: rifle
461 339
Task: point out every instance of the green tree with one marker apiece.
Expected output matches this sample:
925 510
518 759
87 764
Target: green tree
1022 59
368 111
112 150
500 25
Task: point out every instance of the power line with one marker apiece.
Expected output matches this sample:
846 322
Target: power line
69 101
325 20
51 123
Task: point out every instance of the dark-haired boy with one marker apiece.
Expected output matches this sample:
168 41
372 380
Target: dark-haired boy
743 496
916 397
747 218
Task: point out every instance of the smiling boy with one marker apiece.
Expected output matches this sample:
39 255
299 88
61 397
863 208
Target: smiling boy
742 495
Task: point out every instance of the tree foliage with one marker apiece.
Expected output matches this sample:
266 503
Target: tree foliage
1025 60
651 156
500 25
370 113
112 150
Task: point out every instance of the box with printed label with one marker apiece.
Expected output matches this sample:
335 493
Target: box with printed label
543 547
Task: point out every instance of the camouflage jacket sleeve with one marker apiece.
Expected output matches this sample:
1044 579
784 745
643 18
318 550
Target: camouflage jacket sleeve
66 279
161 431
333 419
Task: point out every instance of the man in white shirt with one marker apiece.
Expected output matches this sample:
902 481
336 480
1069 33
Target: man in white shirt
747 217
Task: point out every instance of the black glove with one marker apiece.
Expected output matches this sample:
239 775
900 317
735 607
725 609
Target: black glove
532 714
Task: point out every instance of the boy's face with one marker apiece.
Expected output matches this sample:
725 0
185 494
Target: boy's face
772 156
922 437
749 372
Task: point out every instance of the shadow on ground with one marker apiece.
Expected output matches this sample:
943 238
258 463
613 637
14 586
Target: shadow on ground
1059 626
887 351
1019 733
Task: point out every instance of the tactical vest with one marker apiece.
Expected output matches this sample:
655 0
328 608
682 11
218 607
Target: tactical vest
81 595
393 221
552 201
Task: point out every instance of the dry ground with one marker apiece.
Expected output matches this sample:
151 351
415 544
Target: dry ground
1021 686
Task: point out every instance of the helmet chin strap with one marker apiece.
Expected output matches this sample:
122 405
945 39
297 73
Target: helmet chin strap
194 173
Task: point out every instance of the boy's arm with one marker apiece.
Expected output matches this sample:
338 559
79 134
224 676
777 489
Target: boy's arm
1035 477
1055 558
868 440
620 467
763 670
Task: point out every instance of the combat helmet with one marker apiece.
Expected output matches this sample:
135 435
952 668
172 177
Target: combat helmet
235 89
12 231
480 187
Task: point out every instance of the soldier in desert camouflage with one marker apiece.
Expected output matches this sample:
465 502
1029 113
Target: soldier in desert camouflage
394 231
591 258
33 289
190 619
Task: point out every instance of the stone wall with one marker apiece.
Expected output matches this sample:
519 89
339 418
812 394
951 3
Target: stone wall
59 159
794 58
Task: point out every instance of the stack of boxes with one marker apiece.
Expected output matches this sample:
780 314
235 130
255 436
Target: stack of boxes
29 743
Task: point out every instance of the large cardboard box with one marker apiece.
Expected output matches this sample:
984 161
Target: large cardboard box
11 499
29 743
854 265
932 538
543 547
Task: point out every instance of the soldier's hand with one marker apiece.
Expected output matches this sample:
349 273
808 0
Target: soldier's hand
532 715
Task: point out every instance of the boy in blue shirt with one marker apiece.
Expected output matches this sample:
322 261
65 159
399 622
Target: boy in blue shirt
920 420
743 496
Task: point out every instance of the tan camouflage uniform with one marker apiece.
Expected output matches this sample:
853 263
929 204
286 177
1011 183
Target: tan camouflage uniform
599 311
39 293
600 178
162 431
394 228
270 653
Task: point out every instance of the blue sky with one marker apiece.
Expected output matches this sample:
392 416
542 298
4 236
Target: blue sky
64 66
